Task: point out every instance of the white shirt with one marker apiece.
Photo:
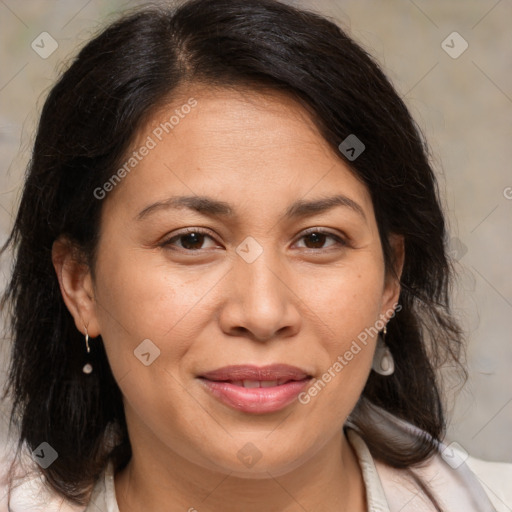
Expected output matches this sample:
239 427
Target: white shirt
470 485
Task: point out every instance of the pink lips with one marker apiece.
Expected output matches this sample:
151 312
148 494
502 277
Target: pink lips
255 389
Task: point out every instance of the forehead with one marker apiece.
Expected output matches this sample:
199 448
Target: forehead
261 120
237 143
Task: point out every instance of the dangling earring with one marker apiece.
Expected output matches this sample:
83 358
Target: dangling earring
88 366
383 362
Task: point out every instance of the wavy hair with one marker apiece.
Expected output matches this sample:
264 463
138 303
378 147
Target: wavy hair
88 121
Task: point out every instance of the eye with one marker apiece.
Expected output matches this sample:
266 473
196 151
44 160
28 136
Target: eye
316 238
191 239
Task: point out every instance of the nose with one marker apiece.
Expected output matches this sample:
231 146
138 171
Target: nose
261 302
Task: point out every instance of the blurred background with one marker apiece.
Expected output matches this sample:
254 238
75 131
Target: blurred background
451 63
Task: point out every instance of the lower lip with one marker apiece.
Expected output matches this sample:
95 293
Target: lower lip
256 400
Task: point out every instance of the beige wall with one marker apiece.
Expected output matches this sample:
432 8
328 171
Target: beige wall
463 104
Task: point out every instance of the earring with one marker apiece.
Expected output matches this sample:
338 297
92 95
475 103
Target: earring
88 366
383 362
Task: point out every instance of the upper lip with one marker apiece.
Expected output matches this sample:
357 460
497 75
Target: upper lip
256 373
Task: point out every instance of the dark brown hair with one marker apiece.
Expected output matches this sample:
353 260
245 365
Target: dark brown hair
86 126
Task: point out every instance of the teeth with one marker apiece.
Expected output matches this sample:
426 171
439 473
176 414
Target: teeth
258 383
255 383
268 383
251 384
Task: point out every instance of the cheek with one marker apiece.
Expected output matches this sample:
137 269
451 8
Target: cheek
142 297
349 306
137 301
350 300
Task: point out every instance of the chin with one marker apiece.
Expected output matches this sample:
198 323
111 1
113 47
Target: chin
251 463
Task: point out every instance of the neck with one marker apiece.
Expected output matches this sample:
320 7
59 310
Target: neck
164 481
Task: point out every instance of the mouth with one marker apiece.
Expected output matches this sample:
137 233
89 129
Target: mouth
250 384
255 389
248 373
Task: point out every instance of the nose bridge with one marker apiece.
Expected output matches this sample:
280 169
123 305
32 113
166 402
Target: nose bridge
262 301
258 268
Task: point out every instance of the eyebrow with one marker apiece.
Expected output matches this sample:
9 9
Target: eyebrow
212 207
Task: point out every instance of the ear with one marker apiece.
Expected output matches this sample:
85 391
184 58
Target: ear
76 285
392 278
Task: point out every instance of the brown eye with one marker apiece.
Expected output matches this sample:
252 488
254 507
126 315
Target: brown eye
191 240
315 239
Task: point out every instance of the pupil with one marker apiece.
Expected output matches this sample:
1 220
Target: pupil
195 237
317 238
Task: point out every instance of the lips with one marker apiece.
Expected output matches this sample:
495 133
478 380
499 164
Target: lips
256 389
250 374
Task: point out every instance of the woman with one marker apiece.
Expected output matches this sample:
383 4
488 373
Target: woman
230 288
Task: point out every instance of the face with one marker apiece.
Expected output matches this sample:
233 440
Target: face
254 268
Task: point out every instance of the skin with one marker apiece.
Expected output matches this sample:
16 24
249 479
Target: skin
302 302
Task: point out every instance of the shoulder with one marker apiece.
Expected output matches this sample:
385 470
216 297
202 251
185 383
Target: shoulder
496 479
458 481
454 479
23 489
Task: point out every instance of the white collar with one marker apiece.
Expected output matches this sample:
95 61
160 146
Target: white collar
103 497
387 489
467 487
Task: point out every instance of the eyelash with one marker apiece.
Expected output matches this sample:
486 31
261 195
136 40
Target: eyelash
339 240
